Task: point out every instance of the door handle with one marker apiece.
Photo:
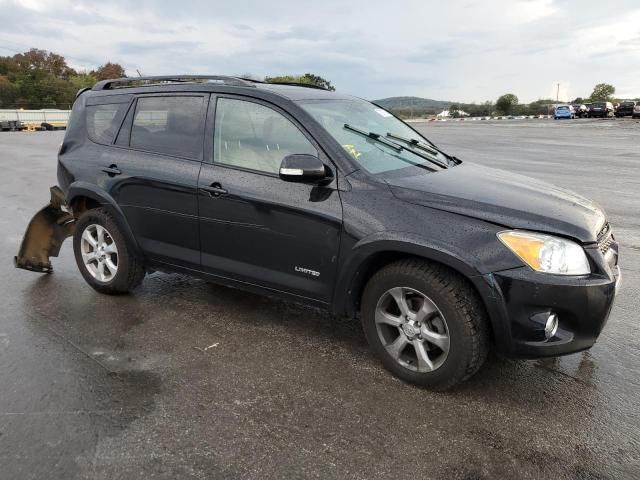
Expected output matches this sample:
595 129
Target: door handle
112 170
215 190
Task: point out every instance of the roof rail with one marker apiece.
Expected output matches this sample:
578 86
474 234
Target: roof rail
223 79
291 84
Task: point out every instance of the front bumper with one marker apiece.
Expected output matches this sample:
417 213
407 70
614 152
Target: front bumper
522 299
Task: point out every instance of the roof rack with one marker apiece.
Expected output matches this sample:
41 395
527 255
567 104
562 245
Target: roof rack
223 79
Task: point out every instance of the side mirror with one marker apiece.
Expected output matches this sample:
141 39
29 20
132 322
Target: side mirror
302 168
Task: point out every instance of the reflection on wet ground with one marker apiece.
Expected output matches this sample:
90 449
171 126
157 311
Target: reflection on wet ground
184 379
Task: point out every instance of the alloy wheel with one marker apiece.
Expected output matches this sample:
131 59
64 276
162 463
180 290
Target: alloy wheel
412 329
99 253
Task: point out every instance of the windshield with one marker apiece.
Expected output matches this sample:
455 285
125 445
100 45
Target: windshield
563 107
372 155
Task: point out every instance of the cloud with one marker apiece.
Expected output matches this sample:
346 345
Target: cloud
471 51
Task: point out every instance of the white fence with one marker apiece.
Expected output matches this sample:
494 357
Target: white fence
34 116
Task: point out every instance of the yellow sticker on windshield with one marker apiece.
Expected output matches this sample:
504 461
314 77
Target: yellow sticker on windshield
352 151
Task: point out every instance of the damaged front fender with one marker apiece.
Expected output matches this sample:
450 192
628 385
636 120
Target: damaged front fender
45 234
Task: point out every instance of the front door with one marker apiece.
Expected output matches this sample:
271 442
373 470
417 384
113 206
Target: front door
255 227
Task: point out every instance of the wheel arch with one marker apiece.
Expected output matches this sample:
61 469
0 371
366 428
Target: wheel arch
82 196
366 262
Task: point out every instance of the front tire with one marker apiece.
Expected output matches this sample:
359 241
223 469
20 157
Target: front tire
106 260
425 323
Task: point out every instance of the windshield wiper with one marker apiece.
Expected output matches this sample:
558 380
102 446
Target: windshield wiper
396 146
416 143
431 148
377 137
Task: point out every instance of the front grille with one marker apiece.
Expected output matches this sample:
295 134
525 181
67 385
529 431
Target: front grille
605 244
602 234
605 238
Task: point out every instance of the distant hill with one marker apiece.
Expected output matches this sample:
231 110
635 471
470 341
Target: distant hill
416 103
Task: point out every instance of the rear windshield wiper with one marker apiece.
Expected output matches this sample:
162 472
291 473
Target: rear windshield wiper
396 146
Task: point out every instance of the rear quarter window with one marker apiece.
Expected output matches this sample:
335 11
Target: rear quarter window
103 121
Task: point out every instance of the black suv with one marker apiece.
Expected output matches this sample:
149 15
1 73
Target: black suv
625 108
601 109
330 200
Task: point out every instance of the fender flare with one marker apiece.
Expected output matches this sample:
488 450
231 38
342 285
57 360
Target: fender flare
85 189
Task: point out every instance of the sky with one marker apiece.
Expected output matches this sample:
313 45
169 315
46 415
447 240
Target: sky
462 51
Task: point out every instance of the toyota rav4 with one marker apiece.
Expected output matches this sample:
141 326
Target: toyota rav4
330 200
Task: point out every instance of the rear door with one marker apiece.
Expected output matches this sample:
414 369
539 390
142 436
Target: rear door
152 173
255 227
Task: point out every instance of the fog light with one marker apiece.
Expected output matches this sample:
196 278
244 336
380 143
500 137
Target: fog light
551 326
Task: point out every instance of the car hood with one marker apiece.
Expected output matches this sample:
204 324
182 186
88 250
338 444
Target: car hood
503 198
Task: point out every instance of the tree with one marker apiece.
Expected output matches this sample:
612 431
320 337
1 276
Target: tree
40 62
506 103
541 107
7 92
578 101
40 79
603 92
307 78
109 70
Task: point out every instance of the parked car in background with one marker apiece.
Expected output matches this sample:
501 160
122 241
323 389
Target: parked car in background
625 108
564 111
581 110
601 109
636 111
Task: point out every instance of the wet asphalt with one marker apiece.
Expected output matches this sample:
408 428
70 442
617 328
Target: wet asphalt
183 379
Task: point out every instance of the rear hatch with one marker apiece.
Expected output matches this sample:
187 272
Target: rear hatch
626 107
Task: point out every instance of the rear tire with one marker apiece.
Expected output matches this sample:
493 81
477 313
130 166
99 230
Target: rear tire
453 311
106 260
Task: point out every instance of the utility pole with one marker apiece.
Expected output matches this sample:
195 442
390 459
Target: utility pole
558 93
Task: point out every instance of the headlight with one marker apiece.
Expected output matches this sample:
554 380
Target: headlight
545 253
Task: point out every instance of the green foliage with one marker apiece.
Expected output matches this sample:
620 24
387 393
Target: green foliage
479 110
40 79
506 103
307 79
412 107
603 92
541 107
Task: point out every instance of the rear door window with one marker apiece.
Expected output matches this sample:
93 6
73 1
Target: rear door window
170 125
